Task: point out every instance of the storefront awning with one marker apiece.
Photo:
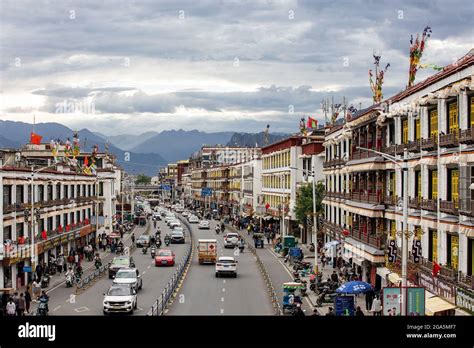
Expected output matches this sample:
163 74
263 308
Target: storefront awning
436 304
383 272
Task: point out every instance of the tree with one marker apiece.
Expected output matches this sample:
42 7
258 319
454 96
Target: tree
304 202
142 179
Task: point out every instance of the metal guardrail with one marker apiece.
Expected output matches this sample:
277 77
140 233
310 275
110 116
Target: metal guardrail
87 281
159 306
266 278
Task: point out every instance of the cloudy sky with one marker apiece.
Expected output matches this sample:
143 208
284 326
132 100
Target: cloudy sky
134 66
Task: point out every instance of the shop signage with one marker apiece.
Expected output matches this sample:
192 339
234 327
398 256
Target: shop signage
77 234
26 269
47 245
415 301
344 305
437 286
70 237
85 230
391 301
465 299
63 239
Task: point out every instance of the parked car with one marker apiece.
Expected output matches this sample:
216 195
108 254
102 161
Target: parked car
129 276
226 265
231 240
143 240
120 262
177 237
204 225
174 223
120 298
165 257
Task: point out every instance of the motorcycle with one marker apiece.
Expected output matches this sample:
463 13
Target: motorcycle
45 281
98 263
167 241
326 296
144 250
153 253
42 307
53 267
241 247
218 230
77 276
311 247
69 281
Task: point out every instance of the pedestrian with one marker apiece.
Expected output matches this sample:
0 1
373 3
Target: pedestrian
39 271
76 259
331 312
11 307
27 299
21 305
323 260
60 263
5 298
358 312
334 277
36 290
369 297
376 306
268 237
16 298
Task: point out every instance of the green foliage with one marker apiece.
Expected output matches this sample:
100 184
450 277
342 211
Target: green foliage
304 201
142 179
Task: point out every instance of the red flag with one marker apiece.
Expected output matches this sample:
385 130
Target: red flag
267 206
86 161
312 123
44 235
436 269
60 228
35 138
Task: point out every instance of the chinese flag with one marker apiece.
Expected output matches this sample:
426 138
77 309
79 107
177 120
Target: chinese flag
267 206
35 138
60 228
44 235
436 269
312 123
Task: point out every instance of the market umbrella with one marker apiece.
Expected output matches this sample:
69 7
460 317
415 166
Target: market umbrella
354 287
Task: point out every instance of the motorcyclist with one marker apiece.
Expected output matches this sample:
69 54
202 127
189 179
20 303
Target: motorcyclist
97 261
154 224
158 242
167 239
222 226
241 244
152 240
153 251
69 273
45 299
218 229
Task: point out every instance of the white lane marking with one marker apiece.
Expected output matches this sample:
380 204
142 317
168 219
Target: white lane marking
222 310
222 299
138 309
81 309
55 309
223 281
223 289
148 266
143 272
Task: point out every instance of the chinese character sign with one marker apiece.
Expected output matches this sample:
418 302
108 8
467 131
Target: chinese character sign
415 301
391 301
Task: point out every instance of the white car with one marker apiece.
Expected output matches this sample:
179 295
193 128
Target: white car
193 219
169 218
130 276
231 240
226 265
174 223
204 224
185 213
120 298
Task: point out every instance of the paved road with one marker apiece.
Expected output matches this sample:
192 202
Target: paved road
89 302
204 294
277 271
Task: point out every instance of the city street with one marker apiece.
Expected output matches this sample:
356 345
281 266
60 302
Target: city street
89 302
204 294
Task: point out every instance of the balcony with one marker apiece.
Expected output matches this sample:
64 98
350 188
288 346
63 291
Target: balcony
449 140
429 204
375 241
449 207
414 202
429 144
466 280
467 208
9 208
414 146
360 154
331 229
466 136
334 162
366 197
447 273
394 149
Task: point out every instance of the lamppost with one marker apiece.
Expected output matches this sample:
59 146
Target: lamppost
35 214
312 172
404 234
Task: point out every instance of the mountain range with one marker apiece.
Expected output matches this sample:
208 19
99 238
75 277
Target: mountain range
147 152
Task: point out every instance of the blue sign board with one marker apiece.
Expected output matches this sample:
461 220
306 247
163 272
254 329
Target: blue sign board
206 191
165 187
26 269
344 305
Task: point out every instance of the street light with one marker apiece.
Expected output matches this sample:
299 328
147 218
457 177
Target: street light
404 167
315 219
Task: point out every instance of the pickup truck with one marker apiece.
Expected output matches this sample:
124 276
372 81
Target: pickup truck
207 249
